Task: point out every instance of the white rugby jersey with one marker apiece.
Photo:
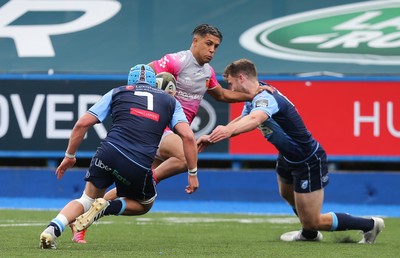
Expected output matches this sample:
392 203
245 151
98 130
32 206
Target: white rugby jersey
193 80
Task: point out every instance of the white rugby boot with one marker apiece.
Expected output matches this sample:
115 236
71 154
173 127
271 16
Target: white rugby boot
370 236
293 236
94 213
48 239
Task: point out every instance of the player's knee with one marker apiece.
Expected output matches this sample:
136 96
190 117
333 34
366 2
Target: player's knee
86 202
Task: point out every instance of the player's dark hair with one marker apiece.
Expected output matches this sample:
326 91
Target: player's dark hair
244 66
204 29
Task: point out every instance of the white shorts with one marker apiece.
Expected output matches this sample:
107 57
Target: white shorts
166 132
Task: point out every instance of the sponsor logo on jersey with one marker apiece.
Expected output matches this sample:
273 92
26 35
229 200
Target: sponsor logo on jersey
186 95
265 130
145 113
163 62
99 163
362 33
120 178
261 103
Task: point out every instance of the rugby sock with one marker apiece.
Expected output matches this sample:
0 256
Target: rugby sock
59 224
309 234
344 221
116 207
154 176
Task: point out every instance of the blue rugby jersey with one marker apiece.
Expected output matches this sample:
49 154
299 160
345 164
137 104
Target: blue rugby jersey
284 128
139 115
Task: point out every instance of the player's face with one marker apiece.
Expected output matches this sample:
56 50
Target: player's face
204 48
233 83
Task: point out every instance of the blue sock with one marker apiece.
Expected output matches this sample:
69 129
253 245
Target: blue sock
58 227
344 221
116 207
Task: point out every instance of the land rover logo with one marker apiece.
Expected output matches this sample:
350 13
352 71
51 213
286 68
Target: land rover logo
362 33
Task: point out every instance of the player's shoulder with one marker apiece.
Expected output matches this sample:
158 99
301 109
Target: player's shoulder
180 55
264 94
262 98
122 88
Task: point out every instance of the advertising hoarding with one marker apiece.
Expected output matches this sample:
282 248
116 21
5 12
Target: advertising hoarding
347 117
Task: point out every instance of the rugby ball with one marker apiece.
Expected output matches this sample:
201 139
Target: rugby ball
166 82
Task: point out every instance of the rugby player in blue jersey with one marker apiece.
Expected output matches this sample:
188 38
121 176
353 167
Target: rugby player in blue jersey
302 163
140 113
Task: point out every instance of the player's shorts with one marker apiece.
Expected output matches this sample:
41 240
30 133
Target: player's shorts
132 180
167 131
308 176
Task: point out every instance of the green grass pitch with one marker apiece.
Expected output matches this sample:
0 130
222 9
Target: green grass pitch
187 235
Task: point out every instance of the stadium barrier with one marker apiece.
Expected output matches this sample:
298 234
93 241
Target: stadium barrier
368 188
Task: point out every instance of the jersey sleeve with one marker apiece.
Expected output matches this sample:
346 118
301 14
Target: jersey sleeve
246 109
178 116
102 108
213 80
168 63
265 102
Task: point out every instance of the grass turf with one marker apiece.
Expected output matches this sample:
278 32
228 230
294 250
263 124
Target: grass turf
187 235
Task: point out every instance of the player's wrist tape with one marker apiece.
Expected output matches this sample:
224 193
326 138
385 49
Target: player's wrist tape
71 156
192 172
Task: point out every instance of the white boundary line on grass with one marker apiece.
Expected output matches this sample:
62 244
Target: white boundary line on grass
173 220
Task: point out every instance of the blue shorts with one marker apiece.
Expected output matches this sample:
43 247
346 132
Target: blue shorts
308 176
109 166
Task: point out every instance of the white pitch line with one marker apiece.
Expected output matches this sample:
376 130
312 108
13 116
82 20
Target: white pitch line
176 220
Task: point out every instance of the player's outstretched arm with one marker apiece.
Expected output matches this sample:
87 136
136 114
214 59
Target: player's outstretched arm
203 142
78 132
190 150
221 94
238 126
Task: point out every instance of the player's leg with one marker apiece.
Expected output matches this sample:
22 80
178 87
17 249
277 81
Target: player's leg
120 206
166 151
79 236
111 194
309 183
68 214
309 208
171 150
137 188
286 191
170 160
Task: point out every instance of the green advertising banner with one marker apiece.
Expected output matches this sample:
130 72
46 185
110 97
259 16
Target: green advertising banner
282 37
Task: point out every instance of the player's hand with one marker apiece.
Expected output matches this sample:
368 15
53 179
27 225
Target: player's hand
203 142
193 184
219 133
267 88
65 164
